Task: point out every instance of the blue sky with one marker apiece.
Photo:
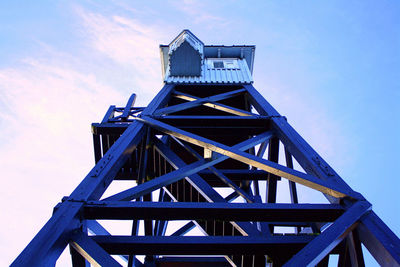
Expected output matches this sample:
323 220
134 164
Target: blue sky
332 68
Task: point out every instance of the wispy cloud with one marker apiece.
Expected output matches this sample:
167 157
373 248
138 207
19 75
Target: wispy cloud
47 109
313 122
200 12
126 42
48 101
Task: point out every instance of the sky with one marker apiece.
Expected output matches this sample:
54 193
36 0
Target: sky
331 67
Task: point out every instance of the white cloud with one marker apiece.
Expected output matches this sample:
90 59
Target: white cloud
312 120
48 102
199 13
129 43
46 148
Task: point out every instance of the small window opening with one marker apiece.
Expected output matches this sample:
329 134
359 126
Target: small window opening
218 64
223 63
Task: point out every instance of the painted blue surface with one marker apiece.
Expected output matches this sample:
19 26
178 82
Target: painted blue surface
323 65
187 61
238 75
246 52
185 55
189 37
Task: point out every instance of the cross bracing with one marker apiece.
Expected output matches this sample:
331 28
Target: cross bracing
181 153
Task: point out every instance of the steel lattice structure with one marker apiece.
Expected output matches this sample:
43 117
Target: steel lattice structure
206 151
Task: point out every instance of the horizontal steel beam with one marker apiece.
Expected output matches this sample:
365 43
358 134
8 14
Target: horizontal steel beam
110 128
235 175
215 211
238 174
201 245
216 121
223 125
193 261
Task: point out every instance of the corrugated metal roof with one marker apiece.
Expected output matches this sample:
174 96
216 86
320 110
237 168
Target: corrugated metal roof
235 51
241 74
238 70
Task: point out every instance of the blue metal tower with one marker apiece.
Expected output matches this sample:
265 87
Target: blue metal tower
203 162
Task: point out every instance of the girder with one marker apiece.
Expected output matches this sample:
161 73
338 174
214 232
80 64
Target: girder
213 157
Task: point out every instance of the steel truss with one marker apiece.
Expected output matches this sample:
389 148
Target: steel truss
189 142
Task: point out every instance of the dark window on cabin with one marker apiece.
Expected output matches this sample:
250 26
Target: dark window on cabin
218 64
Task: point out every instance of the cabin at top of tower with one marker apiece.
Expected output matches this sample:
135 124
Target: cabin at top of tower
186 60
